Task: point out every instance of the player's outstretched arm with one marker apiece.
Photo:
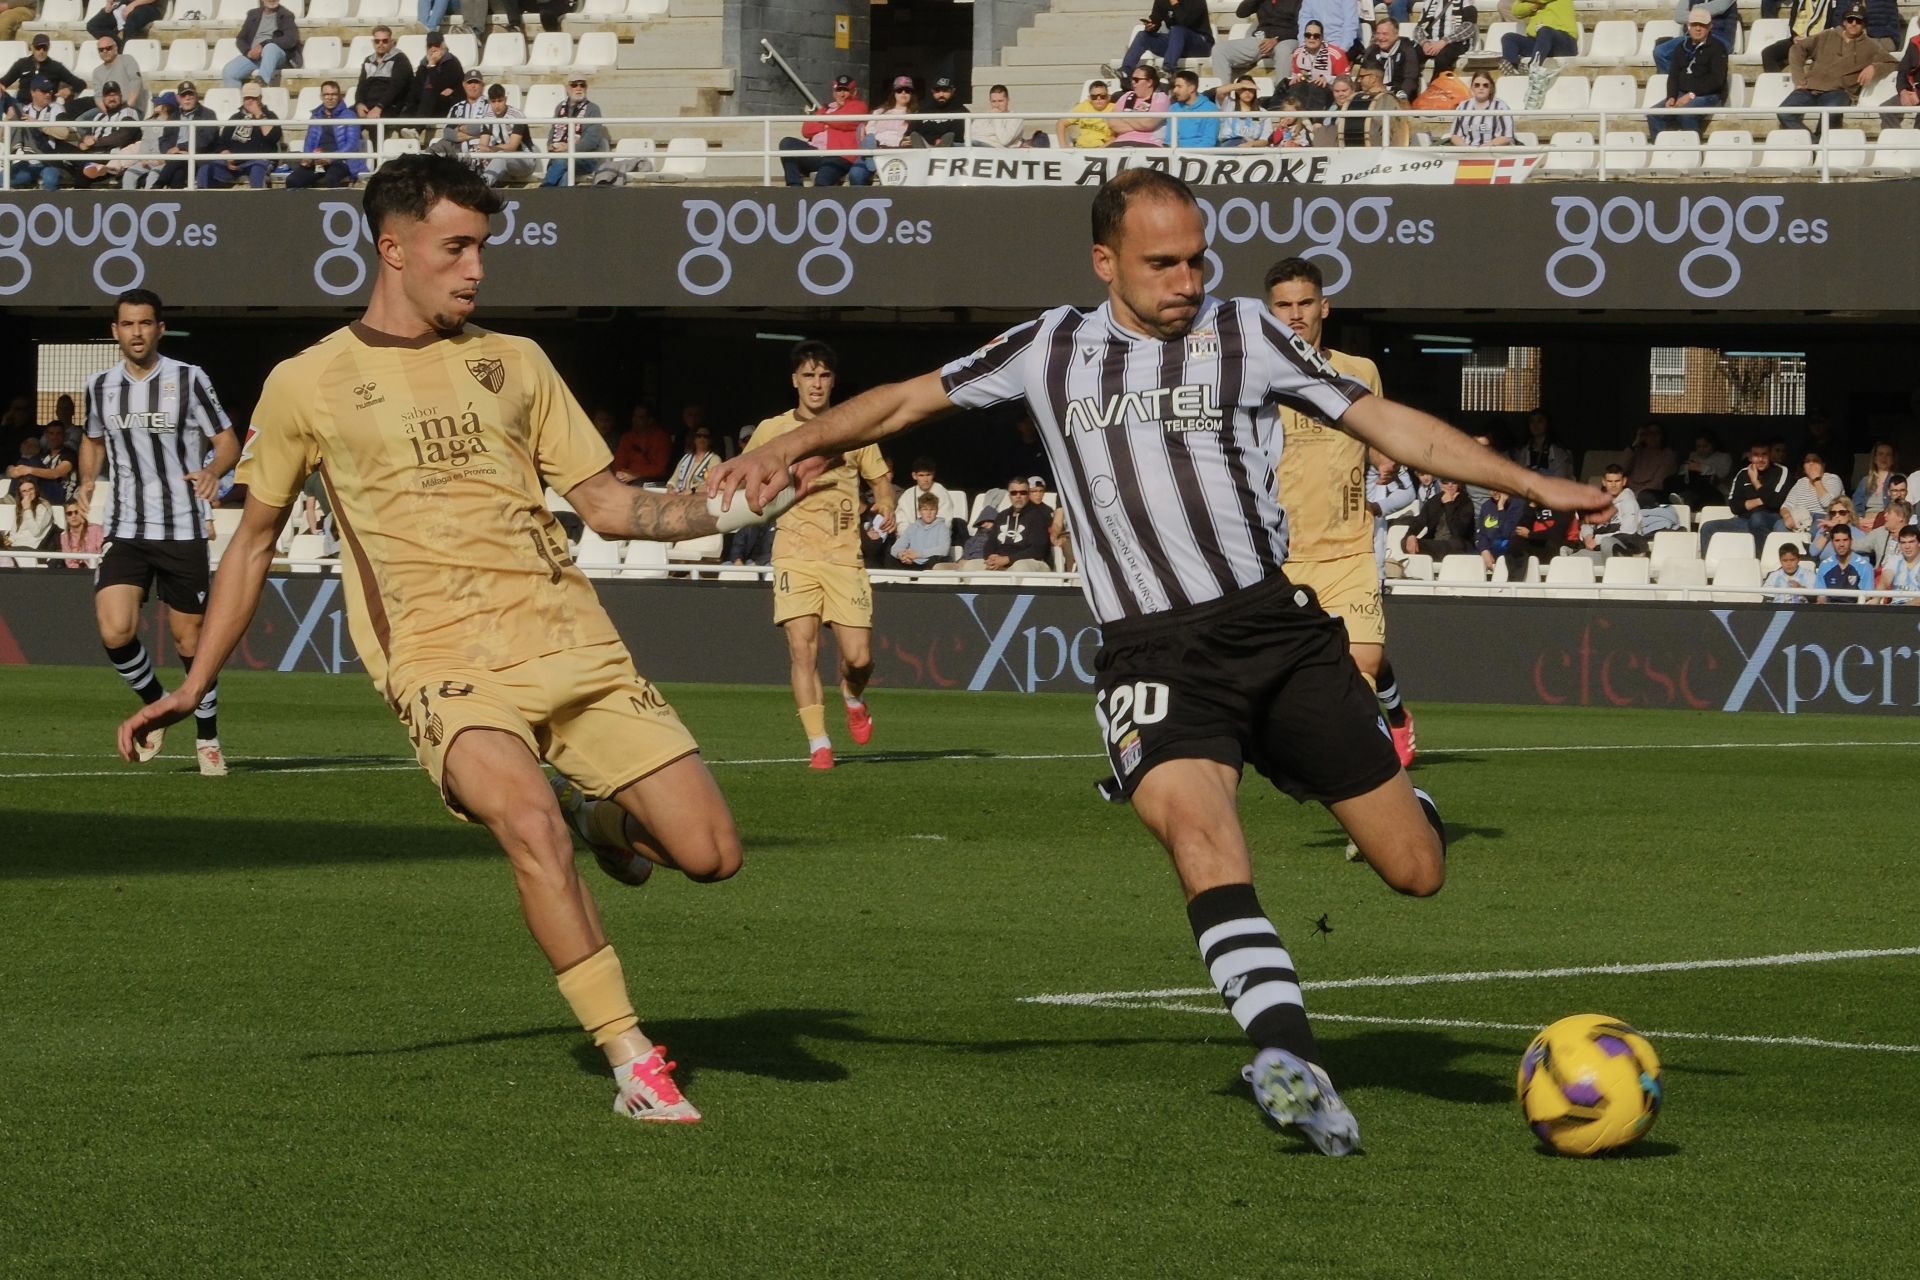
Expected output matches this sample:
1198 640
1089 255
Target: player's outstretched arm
868 418
1423 442
614 509
236 594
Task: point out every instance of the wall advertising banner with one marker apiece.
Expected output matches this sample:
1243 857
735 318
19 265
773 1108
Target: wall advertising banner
1053 166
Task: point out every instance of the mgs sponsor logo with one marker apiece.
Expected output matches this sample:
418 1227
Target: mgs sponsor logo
447 440
1193 406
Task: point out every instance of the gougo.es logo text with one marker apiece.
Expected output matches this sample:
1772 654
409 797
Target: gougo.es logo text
123 232
1323 225
826 226
1713 229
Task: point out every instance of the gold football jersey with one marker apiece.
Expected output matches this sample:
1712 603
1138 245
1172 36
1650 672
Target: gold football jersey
1323 478
435 453
824 525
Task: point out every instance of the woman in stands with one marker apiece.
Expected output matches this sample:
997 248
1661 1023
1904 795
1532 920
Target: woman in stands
690 472
1482 120
80 536
1243 125
1870 495
1839 514
33 518
887 134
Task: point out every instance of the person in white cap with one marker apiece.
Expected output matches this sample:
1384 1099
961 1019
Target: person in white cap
1723 23
1696 74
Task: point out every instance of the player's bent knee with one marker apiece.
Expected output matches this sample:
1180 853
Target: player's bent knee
710 860
1415 866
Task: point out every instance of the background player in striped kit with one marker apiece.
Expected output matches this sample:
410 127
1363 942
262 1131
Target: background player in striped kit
1158 411
157 419
1330 527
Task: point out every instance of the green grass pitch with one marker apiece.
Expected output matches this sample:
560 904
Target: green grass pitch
289 1024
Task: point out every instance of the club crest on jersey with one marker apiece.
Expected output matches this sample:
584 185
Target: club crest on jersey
491 374
1203 344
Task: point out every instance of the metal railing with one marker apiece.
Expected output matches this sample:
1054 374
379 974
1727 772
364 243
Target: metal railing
1421 129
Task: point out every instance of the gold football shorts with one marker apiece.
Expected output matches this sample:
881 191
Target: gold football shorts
831 592
1349 589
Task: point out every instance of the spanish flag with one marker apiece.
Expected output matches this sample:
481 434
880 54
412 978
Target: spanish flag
1491 172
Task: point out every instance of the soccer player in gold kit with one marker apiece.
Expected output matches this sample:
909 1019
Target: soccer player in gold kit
1330 528
817 573
435 440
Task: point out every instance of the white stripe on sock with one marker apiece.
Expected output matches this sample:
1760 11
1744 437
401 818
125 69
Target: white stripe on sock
1257 1001
1243 960
1235 929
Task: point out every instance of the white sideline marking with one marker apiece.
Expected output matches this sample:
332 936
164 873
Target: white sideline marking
1656 746
132 771
1496 975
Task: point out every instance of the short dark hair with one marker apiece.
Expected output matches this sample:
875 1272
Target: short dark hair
921 463
410 186
140 298
997 88
813 351
1187 77
1118 192
1614 469
928 500
1908 531
329 84
1293 269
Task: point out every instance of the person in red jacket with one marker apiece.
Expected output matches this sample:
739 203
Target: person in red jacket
833 146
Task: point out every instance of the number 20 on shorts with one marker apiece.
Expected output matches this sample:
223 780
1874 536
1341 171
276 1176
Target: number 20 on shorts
1125 706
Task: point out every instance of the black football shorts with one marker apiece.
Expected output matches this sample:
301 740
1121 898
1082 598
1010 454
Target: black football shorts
1261 677
179 566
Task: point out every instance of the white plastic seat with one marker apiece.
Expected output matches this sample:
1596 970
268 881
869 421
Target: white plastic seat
1461 568
1727 546
1670 546
326 13
1490 43
322 55
1650 35
307 546
234 11
1613 93
277 100
11 51
595 552
686 158
62 13
1736 90
1676 152
465 46
1683 513
1683 573
596 51
1787 151
542 99
1239 31
1625 151
1419 567
1728 151
1573 575
1770 550
1511 90
148 53
1770 89
1898 153
307 103
1740 571
552 51
1760 34
359 49
646 8
707 548
634 147
645 559
223 100
185 57
506 51
393 147
1845 151
377 11
1568 93
1570 151
1613 44
1655 93
414 45
603 9
1626 571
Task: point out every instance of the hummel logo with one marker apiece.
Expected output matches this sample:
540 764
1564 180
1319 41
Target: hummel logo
1234 986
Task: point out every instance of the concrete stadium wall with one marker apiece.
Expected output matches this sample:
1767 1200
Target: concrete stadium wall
997 25
1733 658
803 32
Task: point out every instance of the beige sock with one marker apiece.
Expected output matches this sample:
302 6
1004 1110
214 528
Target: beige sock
813 721
597 991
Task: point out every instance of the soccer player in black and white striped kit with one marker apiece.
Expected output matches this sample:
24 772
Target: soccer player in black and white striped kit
157 419
1159 414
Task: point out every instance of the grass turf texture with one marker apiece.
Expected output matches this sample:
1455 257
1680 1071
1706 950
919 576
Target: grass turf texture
290 1023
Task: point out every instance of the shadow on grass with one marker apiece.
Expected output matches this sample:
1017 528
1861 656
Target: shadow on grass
1456 832
1638 1151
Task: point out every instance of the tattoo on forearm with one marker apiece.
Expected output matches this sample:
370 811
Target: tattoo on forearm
671 517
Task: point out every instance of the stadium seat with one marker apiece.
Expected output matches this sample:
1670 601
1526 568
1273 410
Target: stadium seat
506 52
1762 33
644 559
1461 568
414 45
1671 545
372 12
1571 152
603 9
542 99
1650 35
148 53
186 57
325 13
304 106
1625 152
1683 573
634 147
278 100
1676 153
465 46
1727 546
1568 93
1736 90
1612 45
595 552
707 548
11 51
686 158
307 546
8 515
1490 45
225 521
1770 550
1843 151
221 99
323 56
1787 151
1770 88
394 147
1655 93
1419 567
62 13
1737 571
1613 93
1728 151
1570 578
1626 571
597 51
1511 90
646 8
552 51
1683 513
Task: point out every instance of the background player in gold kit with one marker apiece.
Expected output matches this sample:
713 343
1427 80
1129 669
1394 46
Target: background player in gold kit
435 440
1323 473
817 573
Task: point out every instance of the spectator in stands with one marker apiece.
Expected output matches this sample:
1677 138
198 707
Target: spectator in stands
1541 452
690 472
1386 128
1844 569
1086 127
1193 118
999 127
1022 542
1837 515
1650 464
973 553
1703 478
14 13
1060 534
36 148
80 536
200 119
466 119
1316 63
1244 124
386 78
1292 127
1550 32
924 485
831 146
1445 525
1445 31
121 20
1870 493
269 39
1139 113
888 131
925 542
569 135
1349 124
246 146
1482 120
437 81
1476 495
946 125
64 410
33 518
1396 58
1874 534
1543 533
1885 26
140 164
1805 20
333 136
1810 496
115 68
39 64
1901 571
1697 75
506 151
1272 38
1831 69
1493 535
645 451
1338 20
1756 494
1175 29
432 13
1793 572
1906 87
1719 19
1615 529
50 463
111 125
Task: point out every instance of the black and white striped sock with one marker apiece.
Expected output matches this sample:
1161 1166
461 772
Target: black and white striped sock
1251 968
1387 689
131 661
206 716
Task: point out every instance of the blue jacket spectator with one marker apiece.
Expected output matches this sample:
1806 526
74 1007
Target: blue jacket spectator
1192 117
330 137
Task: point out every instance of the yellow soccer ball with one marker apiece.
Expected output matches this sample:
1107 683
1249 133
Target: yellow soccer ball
1589 1084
